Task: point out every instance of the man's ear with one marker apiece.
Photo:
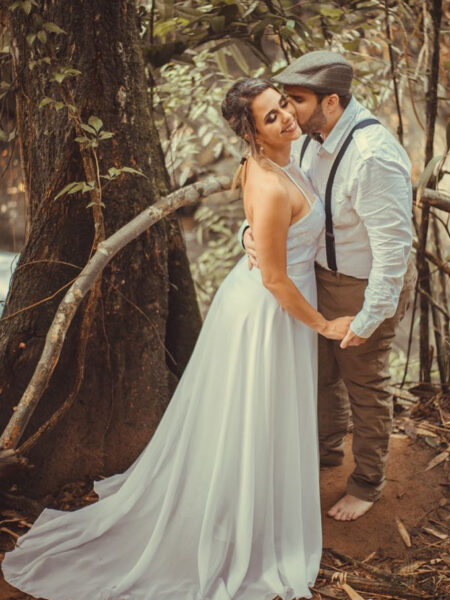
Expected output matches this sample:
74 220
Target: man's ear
332 102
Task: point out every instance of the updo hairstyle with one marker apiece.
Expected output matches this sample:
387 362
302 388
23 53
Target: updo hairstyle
236 108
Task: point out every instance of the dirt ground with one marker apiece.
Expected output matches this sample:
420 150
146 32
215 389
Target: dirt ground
411 494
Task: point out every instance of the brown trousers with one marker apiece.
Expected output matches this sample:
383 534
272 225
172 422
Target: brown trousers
355 381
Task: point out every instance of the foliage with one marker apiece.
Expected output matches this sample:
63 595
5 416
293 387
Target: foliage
196 50
217 230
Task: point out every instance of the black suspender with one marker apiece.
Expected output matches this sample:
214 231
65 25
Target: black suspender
329 235
303 150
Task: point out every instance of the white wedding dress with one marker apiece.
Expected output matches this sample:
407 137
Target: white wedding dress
223 503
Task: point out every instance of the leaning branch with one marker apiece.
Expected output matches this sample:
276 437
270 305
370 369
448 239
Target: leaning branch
437 199
440 264
106 250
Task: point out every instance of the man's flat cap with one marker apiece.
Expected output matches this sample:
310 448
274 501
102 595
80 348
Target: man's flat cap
321 71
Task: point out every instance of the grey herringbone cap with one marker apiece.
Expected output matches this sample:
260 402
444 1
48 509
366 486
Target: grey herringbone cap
321 71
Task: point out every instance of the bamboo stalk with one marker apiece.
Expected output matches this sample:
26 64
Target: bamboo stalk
432 26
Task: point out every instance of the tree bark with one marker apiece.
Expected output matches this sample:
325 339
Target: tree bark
116 355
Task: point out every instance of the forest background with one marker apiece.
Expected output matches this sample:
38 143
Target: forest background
110 106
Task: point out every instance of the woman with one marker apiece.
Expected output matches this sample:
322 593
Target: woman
223 503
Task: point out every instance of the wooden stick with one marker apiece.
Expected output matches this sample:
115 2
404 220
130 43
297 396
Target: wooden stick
443 266
56 334
372 585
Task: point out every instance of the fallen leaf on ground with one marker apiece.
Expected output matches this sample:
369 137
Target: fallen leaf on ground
411 568
369 557
403 532
436 533
437 460
352 594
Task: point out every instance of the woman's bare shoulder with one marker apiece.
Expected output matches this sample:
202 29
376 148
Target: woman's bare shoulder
265 185
266 198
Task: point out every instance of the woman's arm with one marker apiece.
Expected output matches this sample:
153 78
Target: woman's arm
270 224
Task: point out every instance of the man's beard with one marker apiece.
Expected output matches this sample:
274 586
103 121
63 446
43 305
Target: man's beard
315 122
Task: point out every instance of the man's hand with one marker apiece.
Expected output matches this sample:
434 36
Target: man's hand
250 248
351 339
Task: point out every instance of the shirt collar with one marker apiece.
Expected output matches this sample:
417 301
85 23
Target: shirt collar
341 128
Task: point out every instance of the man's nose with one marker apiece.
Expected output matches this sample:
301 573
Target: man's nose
286 114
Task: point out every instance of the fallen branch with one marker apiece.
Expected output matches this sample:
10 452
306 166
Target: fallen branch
399 582
372 585
56 334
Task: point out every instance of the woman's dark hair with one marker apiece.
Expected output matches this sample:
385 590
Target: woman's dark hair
236 108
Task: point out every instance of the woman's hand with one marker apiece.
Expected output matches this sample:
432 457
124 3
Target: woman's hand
336 329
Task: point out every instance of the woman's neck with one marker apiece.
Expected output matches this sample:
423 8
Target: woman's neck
280 155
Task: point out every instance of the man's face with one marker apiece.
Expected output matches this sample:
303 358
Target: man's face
310 115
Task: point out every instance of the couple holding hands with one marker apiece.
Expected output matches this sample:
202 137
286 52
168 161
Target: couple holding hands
223 503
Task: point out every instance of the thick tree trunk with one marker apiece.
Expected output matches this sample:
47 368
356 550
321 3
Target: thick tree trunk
145 317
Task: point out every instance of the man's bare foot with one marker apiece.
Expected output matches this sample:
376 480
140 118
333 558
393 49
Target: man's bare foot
349 508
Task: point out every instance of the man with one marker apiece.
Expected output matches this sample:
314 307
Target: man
360 265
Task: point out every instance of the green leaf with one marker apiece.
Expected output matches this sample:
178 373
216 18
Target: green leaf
72 72
222 63
88 186
15 5
218 24
88 128
250 9
104 135
59 105
134 171
70 188
30 38
239 59
352 46
82 139
113 172
58 77
93 203
42 36
333 13
52 27
95 122
46 100
26 6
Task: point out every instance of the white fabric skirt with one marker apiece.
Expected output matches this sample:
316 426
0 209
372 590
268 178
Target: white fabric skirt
223 503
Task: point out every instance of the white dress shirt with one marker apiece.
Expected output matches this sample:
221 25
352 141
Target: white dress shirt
371 207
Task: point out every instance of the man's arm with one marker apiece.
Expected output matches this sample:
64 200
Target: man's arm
383 202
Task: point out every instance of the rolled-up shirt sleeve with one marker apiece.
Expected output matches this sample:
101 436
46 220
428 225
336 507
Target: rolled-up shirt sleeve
383 202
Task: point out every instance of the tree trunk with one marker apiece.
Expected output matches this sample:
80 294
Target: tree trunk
134 333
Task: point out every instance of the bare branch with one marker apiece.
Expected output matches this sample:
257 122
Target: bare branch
106 250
